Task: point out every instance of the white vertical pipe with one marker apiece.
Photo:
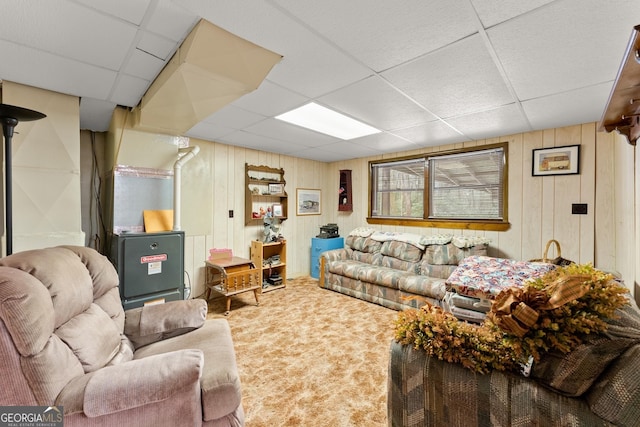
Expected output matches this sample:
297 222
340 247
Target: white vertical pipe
191 152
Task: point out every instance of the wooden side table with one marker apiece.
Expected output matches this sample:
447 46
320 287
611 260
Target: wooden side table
231 277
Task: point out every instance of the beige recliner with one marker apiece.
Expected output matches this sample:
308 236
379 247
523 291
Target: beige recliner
65 340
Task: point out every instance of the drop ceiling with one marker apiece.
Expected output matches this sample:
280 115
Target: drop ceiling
425 72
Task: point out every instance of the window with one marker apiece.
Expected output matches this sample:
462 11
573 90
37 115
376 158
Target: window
454 189
398 188
466 185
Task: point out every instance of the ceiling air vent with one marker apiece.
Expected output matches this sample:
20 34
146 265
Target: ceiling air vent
211 69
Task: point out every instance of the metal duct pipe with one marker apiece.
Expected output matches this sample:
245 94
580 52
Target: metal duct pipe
191 152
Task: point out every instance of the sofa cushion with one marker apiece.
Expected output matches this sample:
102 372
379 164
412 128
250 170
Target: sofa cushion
423 285
485 277
449 254
62 274
151 323
573 373
399 264
616 395
401 250
383 276
92 337
439 271
363 244
347 268
366 257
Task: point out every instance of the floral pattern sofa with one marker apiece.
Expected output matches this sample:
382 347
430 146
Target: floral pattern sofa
396 270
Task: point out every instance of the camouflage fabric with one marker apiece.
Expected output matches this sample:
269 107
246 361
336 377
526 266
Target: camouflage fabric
574 373
423 391
616 395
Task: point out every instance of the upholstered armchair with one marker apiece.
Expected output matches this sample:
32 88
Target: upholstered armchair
65 340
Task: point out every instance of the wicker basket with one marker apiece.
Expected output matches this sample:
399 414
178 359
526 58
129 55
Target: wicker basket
558 260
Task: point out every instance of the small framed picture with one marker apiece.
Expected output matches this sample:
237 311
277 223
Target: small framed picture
277 210
308 201
556 161
276 188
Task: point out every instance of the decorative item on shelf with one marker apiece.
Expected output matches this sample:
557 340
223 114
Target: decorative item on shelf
271 227
274 279
265 187
277 210
276 188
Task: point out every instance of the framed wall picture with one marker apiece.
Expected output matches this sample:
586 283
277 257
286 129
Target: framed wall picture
308 201
276 188
556 161
277 210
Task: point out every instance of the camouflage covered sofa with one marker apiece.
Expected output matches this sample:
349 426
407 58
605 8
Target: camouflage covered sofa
396 270
597 384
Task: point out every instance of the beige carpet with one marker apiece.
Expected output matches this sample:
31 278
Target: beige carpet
310 357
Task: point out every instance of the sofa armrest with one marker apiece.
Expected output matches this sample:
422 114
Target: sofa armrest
119 388
335 254
428 391
141 382
152 323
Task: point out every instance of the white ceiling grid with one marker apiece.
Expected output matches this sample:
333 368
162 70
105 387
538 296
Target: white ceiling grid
425 72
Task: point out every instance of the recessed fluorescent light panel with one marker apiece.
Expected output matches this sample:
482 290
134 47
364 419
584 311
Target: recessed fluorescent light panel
321 119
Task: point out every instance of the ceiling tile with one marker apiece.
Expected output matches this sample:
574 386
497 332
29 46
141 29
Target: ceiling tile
62 75
270 100
444 84
501 121
492 12
377 103
316 68
385 143
432 134
560 110
95 114
258 142
577 47
233 117
208 131
128 90
86 36
291 134
343 150
381 34
171 20
160 47
130 10
143 65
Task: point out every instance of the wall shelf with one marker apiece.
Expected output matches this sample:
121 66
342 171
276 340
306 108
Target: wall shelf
265 187
622 113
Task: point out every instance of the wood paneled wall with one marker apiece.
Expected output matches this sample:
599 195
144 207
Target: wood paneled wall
539 207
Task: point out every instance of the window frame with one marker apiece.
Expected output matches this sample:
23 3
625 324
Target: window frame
425 221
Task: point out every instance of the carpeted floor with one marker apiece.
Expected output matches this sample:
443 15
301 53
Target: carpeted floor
310 357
